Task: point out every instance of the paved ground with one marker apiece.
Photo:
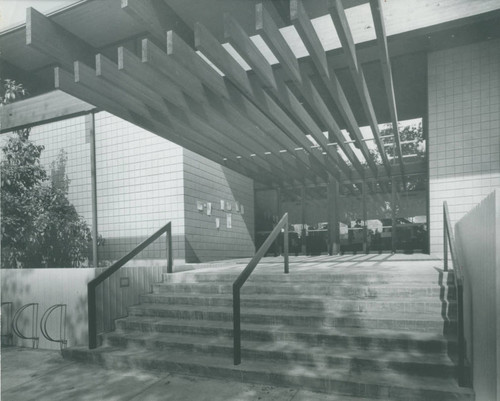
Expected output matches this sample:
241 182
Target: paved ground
43 375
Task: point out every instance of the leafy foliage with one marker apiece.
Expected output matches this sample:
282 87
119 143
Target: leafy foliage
40 227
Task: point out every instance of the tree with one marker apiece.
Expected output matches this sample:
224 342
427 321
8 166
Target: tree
40 227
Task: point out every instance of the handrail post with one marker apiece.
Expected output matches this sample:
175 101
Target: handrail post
169 249
285 245
236 326
445 239
92 316
461 337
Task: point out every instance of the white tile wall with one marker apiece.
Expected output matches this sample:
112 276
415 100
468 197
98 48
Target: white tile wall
464 130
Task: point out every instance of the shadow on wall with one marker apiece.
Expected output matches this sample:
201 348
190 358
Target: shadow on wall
234 237
48 287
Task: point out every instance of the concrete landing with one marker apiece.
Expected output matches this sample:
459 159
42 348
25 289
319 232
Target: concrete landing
45 376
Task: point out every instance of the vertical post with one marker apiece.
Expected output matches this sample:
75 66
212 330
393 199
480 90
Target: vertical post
278 201
170 255
90 130
92 316
303 218
236 326
461 338
393 215
285 244
365 228
445 239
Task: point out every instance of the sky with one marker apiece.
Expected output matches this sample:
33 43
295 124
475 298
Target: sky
13 12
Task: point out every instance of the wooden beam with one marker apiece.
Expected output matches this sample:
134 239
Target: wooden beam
378 21
267 27
339 18
289 103
157 17
156 60
227 146
42 109
51 39
263 117
309 37
86 84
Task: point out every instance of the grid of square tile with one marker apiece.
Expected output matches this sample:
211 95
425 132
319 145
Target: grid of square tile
208 182
464 130
67 135
140 188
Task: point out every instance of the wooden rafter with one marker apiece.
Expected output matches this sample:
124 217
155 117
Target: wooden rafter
207 43
267 27
232 97
284 96
220 109
309 37
226 135
157 17
378 21
342 26
141 108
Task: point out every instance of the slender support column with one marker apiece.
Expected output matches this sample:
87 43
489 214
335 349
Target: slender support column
303 218
278 202
333 217
90 133
393 209
365 228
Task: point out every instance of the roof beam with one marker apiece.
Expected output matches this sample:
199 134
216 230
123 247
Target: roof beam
378 21
110 74
232 99
267 27
141 108
215 108
51 106
290 104
157 17
207 43
309 37
339 18
51 39
164 124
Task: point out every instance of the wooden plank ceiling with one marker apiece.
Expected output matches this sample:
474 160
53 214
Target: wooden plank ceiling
267 122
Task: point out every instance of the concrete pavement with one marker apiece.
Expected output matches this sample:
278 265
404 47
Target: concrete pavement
44 375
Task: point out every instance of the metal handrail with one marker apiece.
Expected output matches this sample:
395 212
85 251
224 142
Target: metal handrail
242 278
34 316
449 240
92 285
62 325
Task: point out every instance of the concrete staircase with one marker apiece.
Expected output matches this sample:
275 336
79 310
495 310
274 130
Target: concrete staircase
373 333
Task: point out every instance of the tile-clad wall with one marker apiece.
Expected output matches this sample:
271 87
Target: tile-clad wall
139 187
206 181
68 136
464 130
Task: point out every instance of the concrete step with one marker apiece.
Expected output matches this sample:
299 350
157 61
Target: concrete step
430 305
319 289
261 275
385 385
351 359
307 336
316 318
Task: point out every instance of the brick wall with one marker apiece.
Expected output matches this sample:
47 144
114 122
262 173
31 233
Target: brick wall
464 130
207 182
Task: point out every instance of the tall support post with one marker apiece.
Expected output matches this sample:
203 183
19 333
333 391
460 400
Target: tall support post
365 218
303 218
278 202
333 216
393 213
90 134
